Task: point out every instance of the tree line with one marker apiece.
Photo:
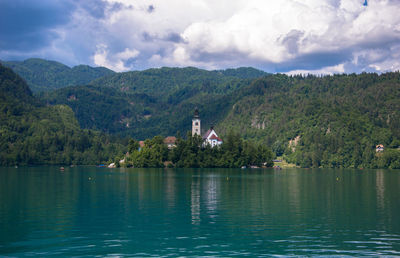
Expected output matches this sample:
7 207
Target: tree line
192 153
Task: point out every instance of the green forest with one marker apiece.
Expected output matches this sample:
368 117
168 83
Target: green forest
32 133
152 102
331 121
44 75
311 121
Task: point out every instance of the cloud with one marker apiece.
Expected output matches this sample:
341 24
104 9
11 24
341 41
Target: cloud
329 70
150 8
116 62
277 35
30 25
286 32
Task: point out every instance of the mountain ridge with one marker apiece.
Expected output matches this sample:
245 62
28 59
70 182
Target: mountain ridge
313 121
45 75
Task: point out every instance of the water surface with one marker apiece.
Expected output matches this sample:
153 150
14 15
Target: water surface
86 211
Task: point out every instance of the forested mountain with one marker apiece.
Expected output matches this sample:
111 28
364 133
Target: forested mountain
331 121
33 133
151 102
243 73
44 75
176 84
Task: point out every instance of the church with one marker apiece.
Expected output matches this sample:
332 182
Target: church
210 137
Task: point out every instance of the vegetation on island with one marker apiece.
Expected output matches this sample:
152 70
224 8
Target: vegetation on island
192 153
32 133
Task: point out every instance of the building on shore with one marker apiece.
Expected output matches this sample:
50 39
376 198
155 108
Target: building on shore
170 141
380 148
211 138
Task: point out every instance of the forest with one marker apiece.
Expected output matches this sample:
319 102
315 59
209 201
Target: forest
330 121
32 133
152 102
311 121
43 75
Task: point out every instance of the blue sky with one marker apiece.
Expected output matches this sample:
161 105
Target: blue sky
290 36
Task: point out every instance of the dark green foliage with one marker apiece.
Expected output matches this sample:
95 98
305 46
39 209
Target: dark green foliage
43 75
133 145
152 155
388 159
151 102
339 119
32 133
104 109
243 73
191 153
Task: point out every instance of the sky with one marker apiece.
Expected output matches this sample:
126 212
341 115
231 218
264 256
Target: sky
285 36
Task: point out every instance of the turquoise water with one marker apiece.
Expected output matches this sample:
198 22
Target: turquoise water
87 211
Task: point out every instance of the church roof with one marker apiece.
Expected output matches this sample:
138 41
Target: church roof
214 137
205 136
170 140
196 113
211 134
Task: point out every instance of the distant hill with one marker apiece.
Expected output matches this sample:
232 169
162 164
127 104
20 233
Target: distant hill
44 75
146 103
167 82
33 133
330 121
243 73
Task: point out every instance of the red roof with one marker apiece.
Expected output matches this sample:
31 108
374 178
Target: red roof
141 144
170 140
214 137
205 136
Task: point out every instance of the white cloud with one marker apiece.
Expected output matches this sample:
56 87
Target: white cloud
275 35
283 35
281 31
330 70
116 61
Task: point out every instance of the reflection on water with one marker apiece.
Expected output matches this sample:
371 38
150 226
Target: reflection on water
210 212
195 201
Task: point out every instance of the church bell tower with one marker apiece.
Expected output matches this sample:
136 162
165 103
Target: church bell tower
196 128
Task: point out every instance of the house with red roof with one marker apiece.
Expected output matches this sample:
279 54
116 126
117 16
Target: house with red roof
380 148
170 141
211 138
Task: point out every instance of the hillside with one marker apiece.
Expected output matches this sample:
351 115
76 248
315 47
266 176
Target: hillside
176 84
243 72
32 133
44 75
332 121
151 102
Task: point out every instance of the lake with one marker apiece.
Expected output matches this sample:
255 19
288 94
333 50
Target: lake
87 211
